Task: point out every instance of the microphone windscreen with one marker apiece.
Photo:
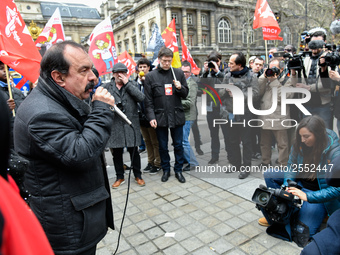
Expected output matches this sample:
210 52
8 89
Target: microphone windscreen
316 44
335 27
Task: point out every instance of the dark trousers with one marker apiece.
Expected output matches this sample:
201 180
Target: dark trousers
91 251
196 134
214 134
117 154
237 134
177 141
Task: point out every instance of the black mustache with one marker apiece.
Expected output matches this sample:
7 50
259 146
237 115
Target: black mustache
89 86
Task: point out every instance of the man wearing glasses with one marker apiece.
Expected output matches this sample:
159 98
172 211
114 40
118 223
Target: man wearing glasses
164 88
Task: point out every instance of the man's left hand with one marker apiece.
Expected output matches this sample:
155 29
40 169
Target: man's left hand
11 103
297 192
177 84
124 78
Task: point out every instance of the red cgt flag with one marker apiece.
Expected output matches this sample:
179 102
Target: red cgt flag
17 48
187 56
102 47
127 60
265 18
53 31
170 41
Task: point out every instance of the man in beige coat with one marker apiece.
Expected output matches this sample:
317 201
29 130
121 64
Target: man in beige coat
274 78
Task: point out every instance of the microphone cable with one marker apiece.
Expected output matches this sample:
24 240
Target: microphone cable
128 189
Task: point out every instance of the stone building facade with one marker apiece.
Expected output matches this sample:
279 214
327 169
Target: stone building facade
78 19
206 25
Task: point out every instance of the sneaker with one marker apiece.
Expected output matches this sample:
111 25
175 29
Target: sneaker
155 170
117 183
147 168
263 222
140 182
126 168
213 161
256 155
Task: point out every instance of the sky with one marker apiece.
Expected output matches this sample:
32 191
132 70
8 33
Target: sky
92 3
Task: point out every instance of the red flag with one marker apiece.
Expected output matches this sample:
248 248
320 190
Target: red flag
53 31
170 41
102 47
17 48
265 18
127 60
187 56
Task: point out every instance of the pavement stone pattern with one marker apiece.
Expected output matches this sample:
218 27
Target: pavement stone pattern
209 214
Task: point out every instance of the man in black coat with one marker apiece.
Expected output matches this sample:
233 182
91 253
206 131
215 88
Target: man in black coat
63 139
164 89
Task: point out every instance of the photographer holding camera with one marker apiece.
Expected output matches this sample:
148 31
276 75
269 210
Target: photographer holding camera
316 72
211 76
274 78
315 147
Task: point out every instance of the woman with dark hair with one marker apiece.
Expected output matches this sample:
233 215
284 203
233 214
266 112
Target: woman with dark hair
309 161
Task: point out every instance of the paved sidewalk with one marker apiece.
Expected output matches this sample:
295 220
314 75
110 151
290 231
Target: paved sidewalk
203 216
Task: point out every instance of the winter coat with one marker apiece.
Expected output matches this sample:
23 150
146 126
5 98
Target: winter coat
189 104
63 141
243 82
266 94
126 98
328 195
166 109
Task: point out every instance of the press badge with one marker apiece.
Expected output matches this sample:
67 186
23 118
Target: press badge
168 89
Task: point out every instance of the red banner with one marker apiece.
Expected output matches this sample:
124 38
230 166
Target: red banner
53 31
127 60
265 18
170 41
17 48
187 56
102 47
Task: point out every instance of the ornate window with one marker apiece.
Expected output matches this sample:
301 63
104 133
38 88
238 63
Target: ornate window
287 36
189 19
224 31
174 16
204 40
190 40
143 38
204 20
247 34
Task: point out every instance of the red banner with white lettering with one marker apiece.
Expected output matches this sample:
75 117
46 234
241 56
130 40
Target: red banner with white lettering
170 41
187 56
265 18
128 61
102 47
17 48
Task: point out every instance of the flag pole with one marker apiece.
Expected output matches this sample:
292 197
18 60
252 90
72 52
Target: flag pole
265 45
9 88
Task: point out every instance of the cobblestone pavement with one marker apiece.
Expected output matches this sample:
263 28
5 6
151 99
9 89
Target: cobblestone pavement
203 216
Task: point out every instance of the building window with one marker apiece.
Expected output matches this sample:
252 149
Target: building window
135 45
224 31
178 39
189 18
270 42
191 40
133 31
204 40
143 38
247 34
204 20
126 45
120 47
152 27
287 36
174 16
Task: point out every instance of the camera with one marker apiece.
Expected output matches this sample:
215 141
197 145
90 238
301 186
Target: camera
211 64
295 62
277 203
332 59
270 72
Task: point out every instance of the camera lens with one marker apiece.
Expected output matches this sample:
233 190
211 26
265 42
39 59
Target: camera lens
211 65
263 197
269 72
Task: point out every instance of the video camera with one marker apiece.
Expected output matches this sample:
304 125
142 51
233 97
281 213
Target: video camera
270 72
277 203
332 58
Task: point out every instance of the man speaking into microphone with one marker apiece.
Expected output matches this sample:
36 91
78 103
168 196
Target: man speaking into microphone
63 139
127 95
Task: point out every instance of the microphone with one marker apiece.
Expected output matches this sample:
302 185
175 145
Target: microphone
141 74
335 27
121 114
316 44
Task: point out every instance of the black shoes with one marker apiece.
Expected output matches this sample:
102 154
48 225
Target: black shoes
189 167
213 161
179 177
155 170
165 176
199 151
256 155
148 168
243 175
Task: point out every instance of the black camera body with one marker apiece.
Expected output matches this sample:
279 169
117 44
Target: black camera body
270 72
295 62
211 64
332 59
278 203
